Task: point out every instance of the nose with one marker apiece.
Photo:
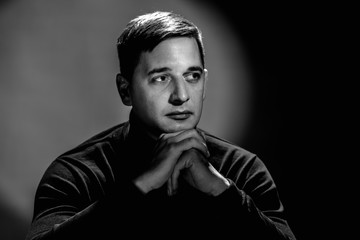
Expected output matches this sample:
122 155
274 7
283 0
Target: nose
179 93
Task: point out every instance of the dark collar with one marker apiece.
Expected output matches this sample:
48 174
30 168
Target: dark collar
138 136
137 146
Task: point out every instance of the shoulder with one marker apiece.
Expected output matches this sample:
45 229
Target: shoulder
92 155
229 157
108 136
243 167
221 146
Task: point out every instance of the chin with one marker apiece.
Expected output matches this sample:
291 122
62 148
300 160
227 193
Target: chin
179 127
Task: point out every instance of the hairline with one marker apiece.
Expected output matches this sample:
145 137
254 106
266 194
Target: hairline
133 41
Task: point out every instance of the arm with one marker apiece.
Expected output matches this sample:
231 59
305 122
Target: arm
66 207
254 198
249 205
76 200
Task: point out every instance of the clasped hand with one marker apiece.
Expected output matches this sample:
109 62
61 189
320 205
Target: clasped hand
182 153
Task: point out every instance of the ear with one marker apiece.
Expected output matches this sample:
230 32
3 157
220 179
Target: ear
123 87
205 82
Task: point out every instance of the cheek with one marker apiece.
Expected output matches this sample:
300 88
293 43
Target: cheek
198 96
150 103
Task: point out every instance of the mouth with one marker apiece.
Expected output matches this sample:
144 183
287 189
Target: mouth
179 115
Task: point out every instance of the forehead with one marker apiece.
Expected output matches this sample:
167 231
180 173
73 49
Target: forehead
174 53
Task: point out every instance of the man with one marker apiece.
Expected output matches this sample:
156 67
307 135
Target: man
158 175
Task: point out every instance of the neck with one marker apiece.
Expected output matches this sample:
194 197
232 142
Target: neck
137 126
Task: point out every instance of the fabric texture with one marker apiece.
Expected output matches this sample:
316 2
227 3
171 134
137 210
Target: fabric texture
88 193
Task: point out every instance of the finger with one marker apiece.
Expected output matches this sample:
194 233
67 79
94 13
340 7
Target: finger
165 136
202 134
189 134
181 164
169 187
192 142
164 139
167 139
179 136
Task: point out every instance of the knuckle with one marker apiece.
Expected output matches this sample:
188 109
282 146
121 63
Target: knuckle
192 151
166 141
192 141
194 132
171 146
162 137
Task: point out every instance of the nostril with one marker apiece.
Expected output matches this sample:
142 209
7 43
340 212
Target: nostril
179 94
177 101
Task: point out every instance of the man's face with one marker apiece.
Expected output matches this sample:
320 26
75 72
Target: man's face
168 86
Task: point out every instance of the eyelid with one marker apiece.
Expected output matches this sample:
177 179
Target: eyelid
192 73
167 76
191 78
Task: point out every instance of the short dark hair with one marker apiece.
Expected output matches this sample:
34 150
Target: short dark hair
145 32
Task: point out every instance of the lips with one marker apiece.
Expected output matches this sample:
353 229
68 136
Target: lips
179 115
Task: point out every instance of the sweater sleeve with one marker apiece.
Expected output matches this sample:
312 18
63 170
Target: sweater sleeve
67 208
253 202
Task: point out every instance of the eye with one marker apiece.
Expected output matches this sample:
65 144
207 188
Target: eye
193 77
161 78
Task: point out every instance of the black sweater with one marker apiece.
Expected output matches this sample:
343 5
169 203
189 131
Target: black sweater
87 193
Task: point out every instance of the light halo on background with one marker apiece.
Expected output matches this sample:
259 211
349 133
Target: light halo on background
57 81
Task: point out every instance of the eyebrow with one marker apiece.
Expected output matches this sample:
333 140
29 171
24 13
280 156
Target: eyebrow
165 69
158 70
195 68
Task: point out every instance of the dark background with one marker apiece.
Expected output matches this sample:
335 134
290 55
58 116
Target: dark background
298 58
